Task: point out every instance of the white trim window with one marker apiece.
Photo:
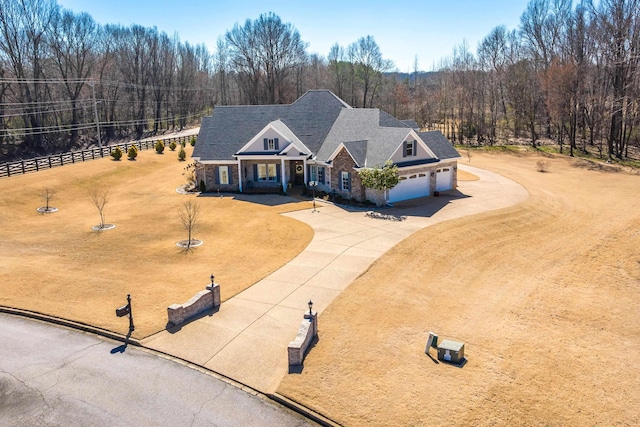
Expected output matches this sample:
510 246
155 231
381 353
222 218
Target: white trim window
345 181
223 175
410 148
270 144
316 173
267 172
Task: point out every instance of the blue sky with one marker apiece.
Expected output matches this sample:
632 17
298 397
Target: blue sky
403 29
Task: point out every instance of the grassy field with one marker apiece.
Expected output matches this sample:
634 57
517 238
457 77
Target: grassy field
545 294
55 264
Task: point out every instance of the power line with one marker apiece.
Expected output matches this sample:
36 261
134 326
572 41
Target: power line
42 130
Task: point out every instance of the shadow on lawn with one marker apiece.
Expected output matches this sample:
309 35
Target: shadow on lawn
261 199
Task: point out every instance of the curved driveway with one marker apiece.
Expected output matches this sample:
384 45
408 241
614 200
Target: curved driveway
247 338
53 376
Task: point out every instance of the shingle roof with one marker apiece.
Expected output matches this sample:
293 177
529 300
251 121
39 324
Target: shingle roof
310 118
358 150
321 121
411 123
440 145
361 124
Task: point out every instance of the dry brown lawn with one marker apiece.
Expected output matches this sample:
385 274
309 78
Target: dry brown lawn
545 294
55 263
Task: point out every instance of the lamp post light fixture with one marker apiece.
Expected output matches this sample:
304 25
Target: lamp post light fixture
310 304
212 280
313 185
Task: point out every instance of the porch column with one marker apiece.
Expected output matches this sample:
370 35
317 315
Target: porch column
240 175
283 176
304 161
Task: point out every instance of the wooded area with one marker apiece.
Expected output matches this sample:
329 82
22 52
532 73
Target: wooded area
568 73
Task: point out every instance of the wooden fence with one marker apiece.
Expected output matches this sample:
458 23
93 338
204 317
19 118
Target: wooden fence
39 163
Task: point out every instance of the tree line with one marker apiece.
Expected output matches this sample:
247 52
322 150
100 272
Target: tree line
66 81
567 73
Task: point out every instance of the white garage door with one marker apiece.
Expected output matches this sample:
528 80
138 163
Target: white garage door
443 179
410 187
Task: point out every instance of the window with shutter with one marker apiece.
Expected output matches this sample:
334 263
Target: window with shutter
223 175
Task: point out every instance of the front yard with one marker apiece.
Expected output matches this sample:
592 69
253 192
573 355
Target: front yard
55 264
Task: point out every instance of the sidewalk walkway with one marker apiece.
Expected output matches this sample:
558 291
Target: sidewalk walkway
247 338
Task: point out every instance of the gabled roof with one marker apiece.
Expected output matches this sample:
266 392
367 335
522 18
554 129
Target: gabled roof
411 123
317 123
230 127
358 151
362 124
440 145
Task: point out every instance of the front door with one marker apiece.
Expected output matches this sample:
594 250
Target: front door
298 173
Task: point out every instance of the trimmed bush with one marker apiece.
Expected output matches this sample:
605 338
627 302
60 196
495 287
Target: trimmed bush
542 166
159 147
193 141
203 187
172 146
182 155
132 153
116 153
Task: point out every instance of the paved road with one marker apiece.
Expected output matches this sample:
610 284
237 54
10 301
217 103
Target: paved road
255 326
52 376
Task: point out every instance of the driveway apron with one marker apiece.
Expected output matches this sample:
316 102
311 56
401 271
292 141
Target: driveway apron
247 338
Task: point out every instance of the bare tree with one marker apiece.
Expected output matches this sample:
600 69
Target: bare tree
73 39
23 27
263 53
189 216
47 195
369 67
100 197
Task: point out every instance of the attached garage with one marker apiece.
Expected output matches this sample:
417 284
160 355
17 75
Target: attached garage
410 187
444 179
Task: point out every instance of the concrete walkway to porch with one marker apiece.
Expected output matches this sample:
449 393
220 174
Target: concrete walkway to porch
247 338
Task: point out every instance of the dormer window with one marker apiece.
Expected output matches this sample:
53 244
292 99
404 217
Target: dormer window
410 148
270 144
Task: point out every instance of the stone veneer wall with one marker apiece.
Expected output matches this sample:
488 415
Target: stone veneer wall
344 163
210 177
307 331
202 301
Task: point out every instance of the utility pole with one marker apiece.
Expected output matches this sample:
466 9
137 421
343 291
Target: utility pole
95 112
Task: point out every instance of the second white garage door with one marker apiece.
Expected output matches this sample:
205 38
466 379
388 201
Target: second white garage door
443 179
410 187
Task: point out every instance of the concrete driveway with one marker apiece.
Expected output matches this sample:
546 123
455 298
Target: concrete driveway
247 338
53 376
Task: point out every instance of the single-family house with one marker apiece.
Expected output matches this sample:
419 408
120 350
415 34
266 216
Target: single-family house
318 139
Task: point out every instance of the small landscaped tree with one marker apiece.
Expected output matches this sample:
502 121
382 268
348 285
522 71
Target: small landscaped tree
192 141
99 196
172 146
190 175
47 195
182 155
380 179
189 219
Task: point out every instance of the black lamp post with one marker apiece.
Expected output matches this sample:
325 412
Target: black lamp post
310 304
313 185
212 280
